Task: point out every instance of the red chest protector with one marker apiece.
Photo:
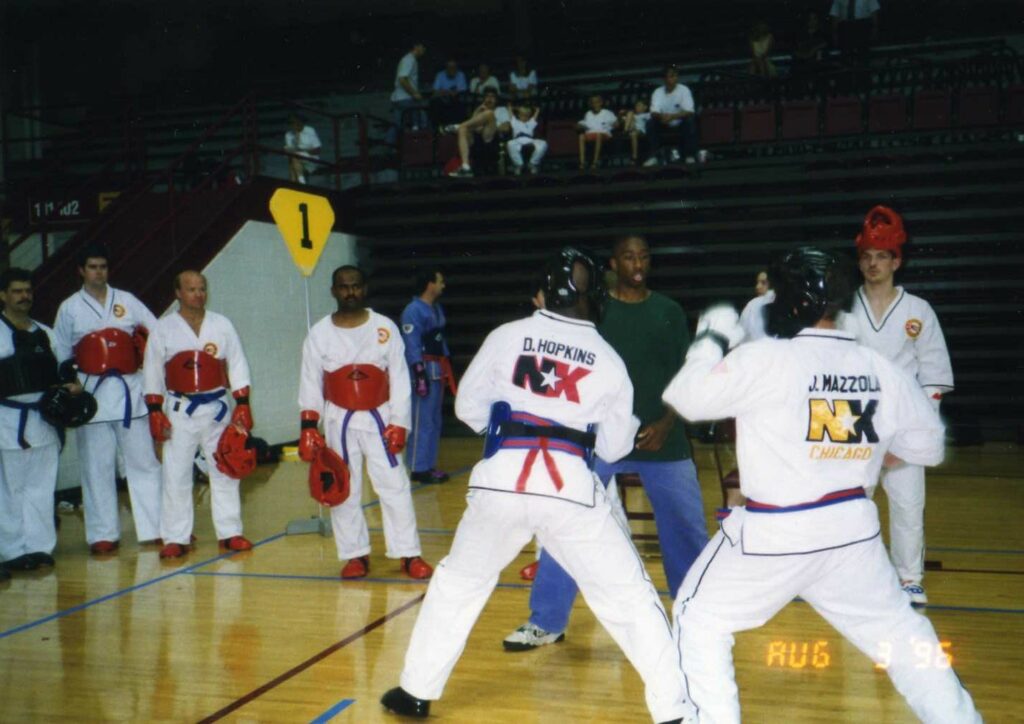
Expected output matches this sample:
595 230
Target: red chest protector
357 387
105 350
195 371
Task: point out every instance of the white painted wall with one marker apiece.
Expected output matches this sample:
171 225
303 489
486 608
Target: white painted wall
254 283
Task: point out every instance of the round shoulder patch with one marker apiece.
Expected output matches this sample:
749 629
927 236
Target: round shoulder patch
210 348
913 327
383 335
118 311
407 328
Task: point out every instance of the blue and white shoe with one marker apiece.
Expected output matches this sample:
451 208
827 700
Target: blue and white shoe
918 599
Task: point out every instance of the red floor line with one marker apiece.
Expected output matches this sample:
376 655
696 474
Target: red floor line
298 669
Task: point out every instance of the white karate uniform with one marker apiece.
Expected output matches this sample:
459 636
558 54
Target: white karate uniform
200 429
814 415
100 440
752 317
28 477
560 369
376 342
522 135
910 336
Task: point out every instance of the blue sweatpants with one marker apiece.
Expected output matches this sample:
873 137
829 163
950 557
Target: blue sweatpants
674 492
421 449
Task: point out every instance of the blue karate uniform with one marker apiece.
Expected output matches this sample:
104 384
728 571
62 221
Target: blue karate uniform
422 328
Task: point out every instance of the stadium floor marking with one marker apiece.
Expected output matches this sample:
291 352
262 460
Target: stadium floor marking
333 711
314 659
159 579
131 589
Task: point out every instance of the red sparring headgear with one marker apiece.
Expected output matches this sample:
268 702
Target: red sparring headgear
883 229
236 455
328 478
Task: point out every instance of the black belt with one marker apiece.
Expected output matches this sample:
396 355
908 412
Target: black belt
510 428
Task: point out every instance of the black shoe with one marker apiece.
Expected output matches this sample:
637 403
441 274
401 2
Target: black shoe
429 477
43 560
403 703
21 563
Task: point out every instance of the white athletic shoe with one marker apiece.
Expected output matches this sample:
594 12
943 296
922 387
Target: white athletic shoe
450 128
674 155
918 599
462 172
528 637
652 161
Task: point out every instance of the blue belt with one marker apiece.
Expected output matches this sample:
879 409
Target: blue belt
392 460
203 398
23 409
839 496
126 420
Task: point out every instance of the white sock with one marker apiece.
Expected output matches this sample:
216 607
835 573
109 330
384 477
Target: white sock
465 167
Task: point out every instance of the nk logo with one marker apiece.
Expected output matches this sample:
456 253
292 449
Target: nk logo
548 378
842 421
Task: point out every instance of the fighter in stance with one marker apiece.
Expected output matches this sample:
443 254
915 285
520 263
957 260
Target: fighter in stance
102 331
539 387
816 415
354 376
903 328
195 357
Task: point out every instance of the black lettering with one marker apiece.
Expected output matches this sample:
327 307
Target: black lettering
528 344
864 427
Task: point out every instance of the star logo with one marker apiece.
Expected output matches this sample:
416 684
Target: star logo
549 379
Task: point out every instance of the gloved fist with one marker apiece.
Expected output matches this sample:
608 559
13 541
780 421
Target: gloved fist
242 414
310 439
394 438
159 425
721 324
420 383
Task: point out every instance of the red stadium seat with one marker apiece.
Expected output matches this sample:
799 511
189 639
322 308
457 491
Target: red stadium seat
887 114
932 109
417 148
562 138
447 147
1015 104
978 107
757 123
717 125
843 116
799 119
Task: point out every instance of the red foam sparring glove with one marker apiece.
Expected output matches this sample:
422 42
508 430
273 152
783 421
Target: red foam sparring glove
420 384
159 425
242 414
310 439
140 335
394 439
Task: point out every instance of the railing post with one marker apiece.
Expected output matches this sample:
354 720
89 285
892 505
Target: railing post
364 149
337 152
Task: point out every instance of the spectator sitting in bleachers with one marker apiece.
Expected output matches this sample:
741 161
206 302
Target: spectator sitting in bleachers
810 46
446 106
524 128
483 124
301 142
406 95
596 128
761 43
482 81
672 110
522 81
634 123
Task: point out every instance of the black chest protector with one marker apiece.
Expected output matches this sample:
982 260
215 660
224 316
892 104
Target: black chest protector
32 367
433 342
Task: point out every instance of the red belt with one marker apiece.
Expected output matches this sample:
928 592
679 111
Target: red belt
446 370
839 496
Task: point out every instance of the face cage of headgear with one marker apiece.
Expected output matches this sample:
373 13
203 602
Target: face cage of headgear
809 284
559 285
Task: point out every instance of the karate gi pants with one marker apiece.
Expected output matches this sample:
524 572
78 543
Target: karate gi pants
904 487
425 435
591 544
200 430
392 487
854 588
28 479
674 492
98 445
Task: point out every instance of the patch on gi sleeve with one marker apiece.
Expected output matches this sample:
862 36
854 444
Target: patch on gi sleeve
407 328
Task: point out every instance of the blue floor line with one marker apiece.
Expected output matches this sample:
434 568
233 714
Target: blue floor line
131 589
333 711
955 549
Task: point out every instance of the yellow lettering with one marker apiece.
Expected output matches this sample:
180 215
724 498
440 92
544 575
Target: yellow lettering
777 653
821 658
837 422
797 661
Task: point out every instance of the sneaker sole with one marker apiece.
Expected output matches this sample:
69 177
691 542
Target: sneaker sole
515 647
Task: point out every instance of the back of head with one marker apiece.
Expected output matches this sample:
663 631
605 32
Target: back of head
810 285
572 282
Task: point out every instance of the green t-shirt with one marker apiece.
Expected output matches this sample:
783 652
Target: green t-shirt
652 338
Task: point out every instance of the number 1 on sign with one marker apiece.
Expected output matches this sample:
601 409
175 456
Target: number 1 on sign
306 242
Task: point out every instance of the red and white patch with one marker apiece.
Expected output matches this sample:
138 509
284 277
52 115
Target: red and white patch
118 311
383 335
210 348
913 328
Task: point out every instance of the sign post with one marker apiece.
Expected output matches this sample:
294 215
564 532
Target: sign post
305 221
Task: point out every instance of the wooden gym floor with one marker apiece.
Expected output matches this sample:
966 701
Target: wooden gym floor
272 635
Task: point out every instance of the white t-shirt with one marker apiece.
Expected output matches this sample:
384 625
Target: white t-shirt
680 99
861 9
502 115
602 122
523 128
478 86
522 82
307 140
640 121
407 68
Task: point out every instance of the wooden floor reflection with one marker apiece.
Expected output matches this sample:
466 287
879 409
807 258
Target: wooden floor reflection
273 635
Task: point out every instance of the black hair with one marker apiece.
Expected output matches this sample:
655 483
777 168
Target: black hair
670 68
620 241
423 276
14 274
347 267
92 251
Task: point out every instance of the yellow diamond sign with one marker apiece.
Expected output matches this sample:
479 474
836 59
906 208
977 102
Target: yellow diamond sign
305 221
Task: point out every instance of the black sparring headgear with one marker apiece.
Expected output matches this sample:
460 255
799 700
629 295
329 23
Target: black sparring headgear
810 284
559 283
60 408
